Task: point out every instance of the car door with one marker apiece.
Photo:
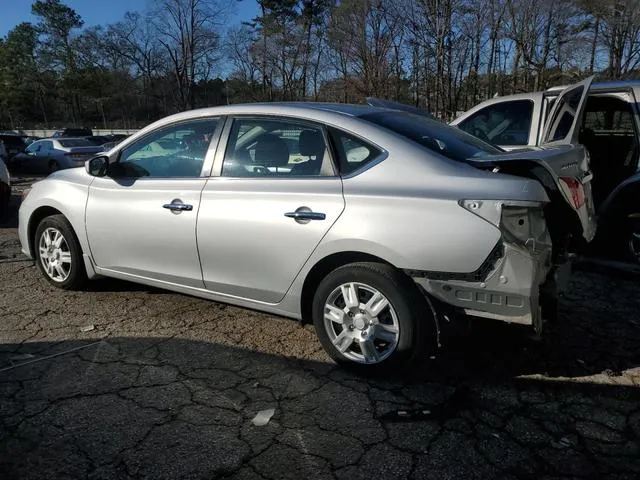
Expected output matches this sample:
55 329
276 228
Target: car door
573 174
28 161
43 156
141 217
565 117
273 195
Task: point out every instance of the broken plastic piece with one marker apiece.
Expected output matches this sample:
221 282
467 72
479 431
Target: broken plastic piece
87 328
263 417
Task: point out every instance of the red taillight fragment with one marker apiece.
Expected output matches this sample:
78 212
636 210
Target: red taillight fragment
577 191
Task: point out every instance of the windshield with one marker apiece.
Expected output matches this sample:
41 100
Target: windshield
76 142
434 135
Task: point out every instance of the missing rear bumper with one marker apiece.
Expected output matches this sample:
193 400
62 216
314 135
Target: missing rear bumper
509 291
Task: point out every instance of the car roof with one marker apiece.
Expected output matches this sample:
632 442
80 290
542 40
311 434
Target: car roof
323 112
601 86
349 109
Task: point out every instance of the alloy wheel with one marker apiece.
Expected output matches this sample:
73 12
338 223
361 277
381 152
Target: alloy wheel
55 255
361 323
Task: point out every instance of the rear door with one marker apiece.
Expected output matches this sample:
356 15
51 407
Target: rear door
273 195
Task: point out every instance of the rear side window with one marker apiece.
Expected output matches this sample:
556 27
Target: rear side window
353 152
434 135
505 123
276 147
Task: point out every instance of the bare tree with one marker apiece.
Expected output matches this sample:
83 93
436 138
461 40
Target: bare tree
189 32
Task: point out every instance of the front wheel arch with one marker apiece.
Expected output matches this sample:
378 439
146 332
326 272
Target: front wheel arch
36 217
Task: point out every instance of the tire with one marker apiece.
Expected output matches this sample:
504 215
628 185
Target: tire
407 313
53 166
64 263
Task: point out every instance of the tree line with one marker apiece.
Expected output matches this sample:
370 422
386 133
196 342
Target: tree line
442 55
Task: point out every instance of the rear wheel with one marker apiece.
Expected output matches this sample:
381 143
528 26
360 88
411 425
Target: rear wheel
370 316
58 253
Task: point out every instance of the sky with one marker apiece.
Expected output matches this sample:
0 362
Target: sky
99 12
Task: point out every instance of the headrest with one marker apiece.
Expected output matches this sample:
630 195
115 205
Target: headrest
311 143
271 151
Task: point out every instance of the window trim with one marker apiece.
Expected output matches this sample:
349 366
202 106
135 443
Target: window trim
208 159
502 103
216 170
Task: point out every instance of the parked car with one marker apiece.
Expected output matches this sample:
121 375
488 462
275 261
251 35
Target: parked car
13 143
390 221
610 130
73 132
5 181
98 139
49 155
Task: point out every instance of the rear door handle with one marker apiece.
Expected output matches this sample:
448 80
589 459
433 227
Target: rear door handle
302 215
178 207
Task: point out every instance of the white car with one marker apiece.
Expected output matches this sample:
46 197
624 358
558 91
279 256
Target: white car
5 181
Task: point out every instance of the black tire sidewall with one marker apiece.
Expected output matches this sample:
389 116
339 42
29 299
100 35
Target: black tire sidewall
77 274
414 316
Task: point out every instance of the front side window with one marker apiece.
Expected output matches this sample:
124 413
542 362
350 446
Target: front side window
276 147
506 123
34 147
175 151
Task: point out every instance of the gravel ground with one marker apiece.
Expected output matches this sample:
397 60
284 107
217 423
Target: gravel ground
125 381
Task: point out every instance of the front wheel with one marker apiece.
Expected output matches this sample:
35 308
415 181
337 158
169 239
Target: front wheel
58 253
371 316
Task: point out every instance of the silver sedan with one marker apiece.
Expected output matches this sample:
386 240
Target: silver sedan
51 154
369 222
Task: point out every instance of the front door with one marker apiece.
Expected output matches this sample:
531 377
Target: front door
260 220
141 218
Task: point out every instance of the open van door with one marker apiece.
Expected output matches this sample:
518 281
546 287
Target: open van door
565 119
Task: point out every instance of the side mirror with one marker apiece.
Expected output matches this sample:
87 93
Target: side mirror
97 166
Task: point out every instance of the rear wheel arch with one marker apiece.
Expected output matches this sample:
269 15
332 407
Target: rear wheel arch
322 268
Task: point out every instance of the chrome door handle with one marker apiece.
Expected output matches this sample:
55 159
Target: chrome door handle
301 215
178 206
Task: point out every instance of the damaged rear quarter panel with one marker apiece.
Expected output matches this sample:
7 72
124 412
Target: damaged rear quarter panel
416 222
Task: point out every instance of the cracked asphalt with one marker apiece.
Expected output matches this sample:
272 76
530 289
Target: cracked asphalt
166 386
